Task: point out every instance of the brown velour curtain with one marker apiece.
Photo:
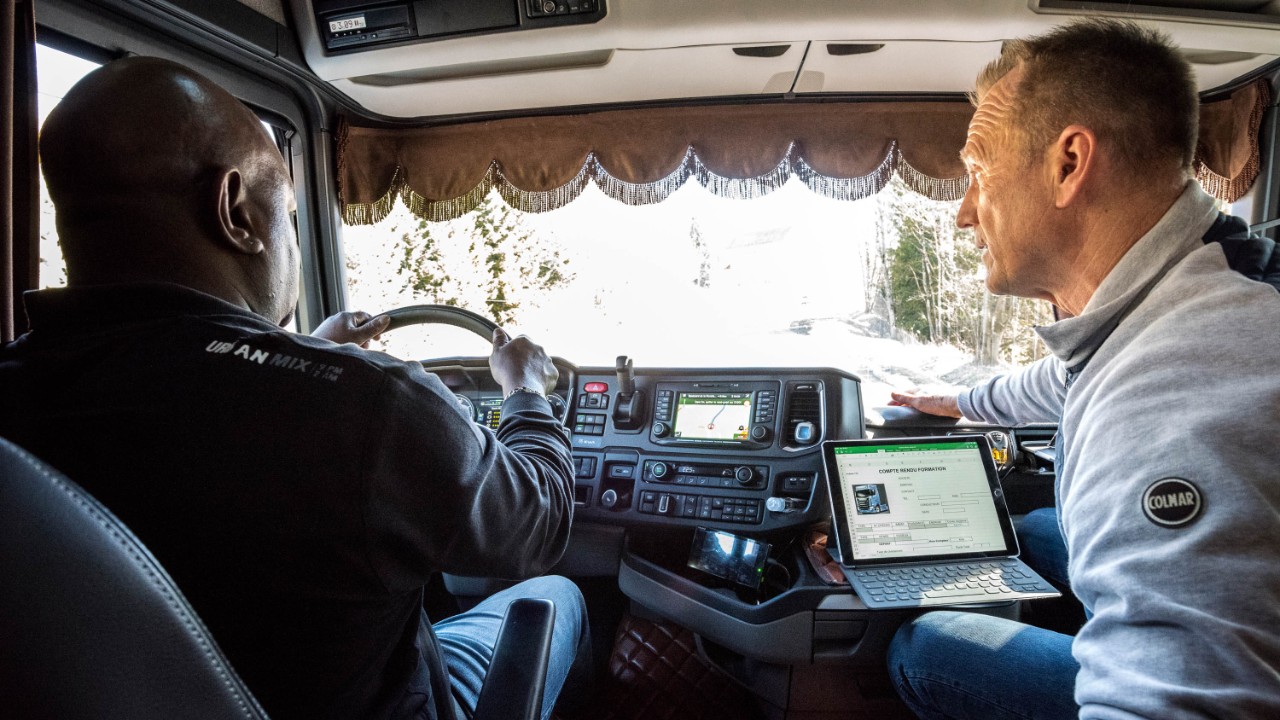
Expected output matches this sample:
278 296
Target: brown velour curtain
842 150
19 188
1227 160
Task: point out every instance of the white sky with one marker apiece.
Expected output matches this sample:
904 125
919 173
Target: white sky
56 73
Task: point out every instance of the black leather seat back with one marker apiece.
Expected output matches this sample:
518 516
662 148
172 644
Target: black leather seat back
90 625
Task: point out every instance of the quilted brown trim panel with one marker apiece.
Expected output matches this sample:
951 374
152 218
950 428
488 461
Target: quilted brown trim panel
656 674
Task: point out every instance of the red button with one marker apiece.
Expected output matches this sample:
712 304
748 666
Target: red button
596 387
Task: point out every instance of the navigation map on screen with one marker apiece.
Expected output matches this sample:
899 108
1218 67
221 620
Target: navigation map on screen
712 416
918 500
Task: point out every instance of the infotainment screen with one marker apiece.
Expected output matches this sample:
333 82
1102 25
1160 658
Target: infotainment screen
712 416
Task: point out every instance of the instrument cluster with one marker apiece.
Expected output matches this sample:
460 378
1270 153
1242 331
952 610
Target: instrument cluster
486 407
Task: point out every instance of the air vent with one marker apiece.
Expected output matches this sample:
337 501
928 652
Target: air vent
1216 57
846 49
804 404
762 51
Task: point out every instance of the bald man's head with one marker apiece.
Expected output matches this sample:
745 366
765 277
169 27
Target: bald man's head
158 174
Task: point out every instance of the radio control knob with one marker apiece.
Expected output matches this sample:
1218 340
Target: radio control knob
744 474
760 433
609 498
659 470
660 429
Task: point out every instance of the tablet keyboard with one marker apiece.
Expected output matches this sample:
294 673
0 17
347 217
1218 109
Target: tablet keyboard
978 581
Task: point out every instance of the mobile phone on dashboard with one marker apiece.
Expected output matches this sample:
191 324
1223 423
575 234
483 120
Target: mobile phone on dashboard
731 557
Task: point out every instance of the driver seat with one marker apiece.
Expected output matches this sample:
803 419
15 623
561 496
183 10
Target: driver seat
91 625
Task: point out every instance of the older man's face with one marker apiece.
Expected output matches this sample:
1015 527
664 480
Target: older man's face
1007 200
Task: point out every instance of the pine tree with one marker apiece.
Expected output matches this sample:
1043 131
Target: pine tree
503 266
704 268
934 283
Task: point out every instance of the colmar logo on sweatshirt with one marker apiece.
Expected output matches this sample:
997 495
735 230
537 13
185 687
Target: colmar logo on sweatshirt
1172 502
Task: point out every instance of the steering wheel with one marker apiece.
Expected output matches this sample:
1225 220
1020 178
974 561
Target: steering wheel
467 320
443 315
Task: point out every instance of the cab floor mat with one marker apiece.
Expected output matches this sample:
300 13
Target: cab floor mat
655 673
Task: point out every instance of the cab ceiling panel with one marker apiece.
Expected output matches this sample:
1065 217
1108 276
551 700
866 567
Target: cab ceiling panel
601 76
865 66
644 25
1219 68
478 56
890 67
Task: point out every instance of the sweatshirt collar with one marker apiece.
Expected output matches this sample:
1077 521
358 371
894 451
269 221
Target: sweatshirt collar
93 306
1178 233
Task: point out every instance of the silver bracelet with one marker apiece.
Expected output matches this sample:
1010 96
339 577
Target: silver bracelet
526 389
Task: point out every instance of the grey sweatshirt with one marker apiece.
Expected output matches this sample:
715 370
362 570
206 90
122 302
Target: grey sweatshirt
1167 391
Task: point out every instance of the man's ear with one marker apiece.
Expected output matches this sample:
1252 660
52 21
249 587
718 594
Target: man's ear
1073 160
235 216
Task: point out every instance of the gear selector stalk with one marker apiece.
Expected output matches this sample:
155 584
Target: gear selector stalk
628 410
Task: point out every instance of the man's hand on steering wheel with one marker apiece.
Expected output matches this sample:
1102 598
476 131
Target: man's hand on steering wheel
515 363
519 362
352 327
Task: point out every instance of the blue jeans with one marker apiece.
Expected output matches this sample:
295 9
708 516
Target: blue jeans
468 639
958 665
1043 547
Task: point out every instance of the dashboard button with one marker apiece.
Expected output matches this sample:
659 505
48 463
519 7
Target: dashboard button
796 484
689 506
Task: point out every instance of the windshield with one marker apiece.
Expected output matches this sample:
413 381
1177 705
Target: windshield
886 287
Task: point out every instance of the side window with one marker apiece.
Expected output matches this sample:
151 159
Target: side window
56 72
281 135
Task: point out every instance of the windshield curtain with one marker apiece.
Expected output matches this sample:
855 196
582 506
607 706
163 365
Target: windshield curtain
840 150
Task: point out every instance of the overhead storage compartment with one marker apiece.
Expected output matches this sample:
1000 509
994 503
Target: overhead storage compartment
354 25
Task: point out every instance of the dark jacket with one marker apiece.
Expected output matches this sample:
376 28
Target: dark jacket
1253 256
300 492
